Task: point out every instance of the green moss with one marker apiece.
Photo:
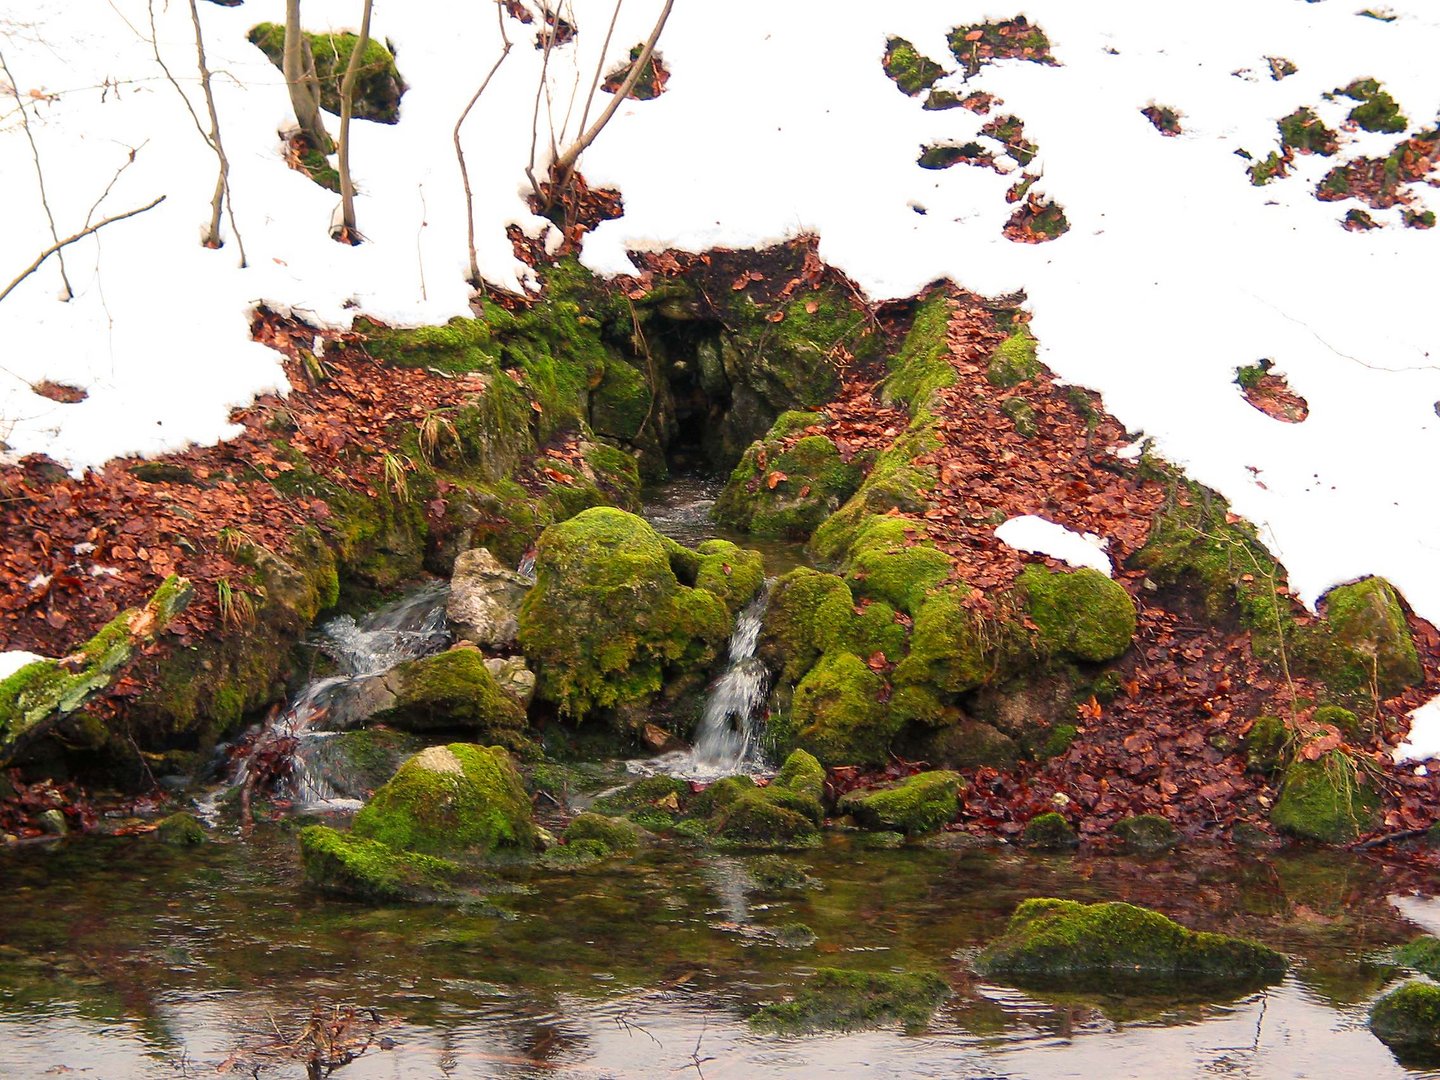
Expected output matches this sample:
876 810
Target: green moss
1325 800
1048 939
873 630
1059 740
838 712
1350 726
808 612
454 689
1079 613
1363 642
457 798
1302 130
801 772
1267 168
891 560
608 617
732 573
948 646
1377 111
1147 834
1049 832
1422 954
379 89
576 855
810 482
922 365
369 870
909 69
180 830
768 818
916 805
1022 415
1013 361
614 834
1266 744
653 792
1408 1018
834 1000
617 474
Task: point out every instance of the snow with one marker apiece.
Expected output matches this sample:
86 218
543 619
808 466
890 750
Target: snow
778 120
11 662
1041 537
1423 742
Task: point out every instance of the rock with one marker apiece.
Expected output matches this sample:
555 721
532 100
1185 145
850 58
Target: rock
451 799
365 869
1049 832
839 715
738 813
180 830
453 690
512 676
653 802
1408 1018
1326 800
1052 939
1079 613
614 834
804 774
485 599
779 490
1147 834
1363 640
52 823
834 1000
916 805
609 619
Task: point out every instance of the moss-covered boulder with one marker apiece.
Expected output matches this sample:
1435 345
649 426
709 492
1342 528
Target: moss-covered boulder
808 611
364 869
783 488
1145 834
948 647
1054 939
451 799
802 773
453 690
839 713
835 1000
731 572
615 834
608 618
916 805
769 817
1327 799
654 802
1408 1018
1422 954
1079 613
1049 832
1266 744
1363 642
378 91
891 559
180 829
1013 360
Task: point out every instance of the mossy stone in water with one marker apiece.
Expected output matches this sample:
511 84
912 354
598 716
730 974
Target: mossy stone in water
732 573
787 491
802 773
916 805
1324 800
450 690
838 712
616 834
608 617
664 793
1422 954
369 870
180 830
767 818
835 1000
1049 832
1080 613
1408 1018
1146 834
459 798
1049 938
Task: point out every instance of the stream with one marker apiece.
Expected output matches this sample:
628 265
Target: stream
120 957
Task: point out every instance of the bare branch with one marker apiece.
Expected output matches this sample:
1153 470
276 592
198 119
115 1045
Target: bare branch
347 108
535 114
460 153
55 247
600 65
39 173
222 184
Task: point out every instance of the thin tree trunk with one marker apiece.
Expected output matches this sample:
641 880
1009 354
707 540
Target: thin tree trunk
347 106
39 175
299 68
222 182
460 153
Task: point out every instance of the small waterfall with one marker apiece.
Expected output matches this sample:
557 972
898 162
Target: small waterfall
727 742
291 751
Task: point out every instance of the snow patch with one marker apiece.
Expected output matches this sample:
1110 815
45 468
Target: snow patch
11 662
1041 537
1423 742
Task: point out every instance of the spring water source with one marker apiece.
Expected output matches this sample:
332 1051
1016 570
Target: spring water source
365 650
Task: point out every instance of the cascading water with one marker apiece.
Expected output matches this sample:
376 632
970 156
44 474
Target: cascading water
365 651
727 742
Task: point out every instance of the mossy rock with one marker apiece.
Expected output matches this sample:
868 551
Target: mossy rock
615 834
453 690
889 559
1048 939
786 492
768 818
835 1000
1013 361
1049 832
608 619
180 830
808 610
1324 800
1079 613
838 713
379 88
1408 1018
908 68
653 794
1422 954
1350 726
451 799
1266 744
960 743
732 573
1146 834
575 855
1362 642
948 645
917 805
622 404
802 773
364 869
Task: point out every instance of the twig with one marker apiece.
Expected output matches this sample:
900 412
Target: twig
222 183
39 173
1389 838
53 248
535 113
460 153
347 109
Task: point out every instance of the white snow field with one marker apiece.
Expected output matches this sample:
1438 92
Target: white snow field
778 120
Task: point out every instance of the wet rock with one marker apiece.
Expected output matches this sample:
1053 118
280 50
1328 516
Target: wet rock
365 869
1408 1018
451 799
180 830
485 599
513 677
615 834
453 690
1049 832
1048 938
916 805
1328 799
1147 834
52 823
1422 954
834 1000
